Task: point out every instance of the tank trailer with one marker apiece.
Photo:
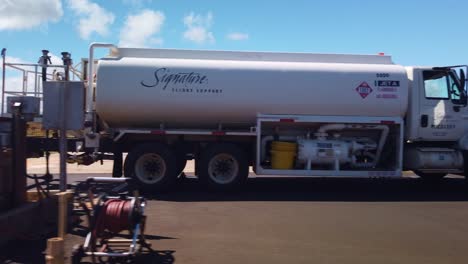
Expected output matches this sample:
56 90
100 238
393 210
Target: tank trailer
297 114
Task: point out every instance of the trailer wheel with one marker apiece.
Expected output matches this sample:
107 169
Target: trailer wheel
465 165
153 166
223 167
430 176
181 161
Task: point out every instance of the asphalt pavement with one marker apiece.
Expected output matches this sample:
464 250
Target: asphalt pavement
304 220
315 221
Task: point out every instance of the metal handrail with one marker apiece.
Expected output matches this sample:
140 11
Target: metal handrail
36 64
37 74
16 92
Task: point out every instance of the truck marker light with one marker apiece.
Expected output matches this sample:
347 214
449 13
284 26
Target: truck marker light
218 133
387 122
158 132
287 120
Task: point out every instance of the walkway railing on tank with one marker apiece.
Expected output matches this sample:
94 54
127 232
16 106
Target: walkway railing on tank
33 76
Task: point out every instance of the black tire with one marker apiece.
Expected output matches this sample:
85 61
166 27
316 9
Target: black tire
465 165
153 166
181 161
430 176
223 167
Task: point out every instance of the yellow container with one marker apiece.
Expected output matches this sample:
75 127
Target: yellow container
283 146
282 160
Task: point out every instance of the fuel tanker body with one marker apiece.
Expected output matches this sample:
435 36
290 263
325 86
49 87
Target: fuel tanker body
280 113
139 88
288 114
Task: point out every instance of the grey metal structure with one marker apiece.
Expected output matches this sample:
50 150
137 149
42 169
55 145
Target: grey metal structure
73 95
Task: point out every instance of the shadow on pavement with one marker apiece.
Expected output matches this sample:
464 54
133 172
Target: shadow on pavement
325 189
23 252
148 255
157 256
152 257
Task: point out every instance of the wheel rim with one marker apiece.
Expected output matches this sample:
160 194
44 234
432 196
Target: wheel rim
150 168
223 168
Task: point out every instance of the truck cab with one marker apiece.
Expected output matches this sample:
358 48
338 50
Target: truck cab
436 121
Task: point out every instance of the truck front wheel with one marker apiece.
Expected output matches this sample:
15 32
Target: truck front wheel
153 166
223 167
465 165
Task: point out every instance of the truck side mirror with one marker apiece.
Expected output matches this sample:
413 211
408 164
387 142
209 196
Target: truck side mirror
463 92
463 101
462 79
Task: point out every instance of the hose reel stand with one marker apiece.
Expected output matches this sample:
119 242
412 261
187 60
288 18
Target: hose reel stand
110 214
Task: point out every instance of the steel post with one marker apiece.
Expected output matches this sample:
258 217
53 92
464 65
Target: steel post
3 79
19 155
63 123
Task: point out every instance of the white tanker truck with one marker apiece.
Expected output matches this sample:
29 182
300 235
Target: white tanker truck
279 113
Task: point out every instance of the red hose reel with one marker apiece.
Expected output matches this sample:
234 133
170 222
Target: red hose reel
114 216
110 216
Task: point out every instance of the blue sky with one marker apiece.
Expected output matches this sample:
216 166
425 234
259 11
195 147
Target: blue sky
413 32
419 32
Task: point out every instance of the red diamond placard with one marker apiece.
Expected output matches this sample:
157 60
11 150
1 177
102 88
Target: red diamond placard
364 89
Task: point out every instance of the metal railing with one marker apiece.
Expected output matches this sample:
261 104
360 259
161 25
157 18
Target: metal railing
31 72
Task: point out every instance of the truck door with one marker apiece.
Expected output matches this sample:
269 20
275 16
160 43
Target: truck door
440 118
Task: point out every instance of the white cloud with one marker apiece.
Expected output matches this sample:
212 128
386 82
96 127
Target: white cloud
13 73
238 36
14 83
9 59
56 60
93 18
136 3
139 30
198 28
27 14
14 78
